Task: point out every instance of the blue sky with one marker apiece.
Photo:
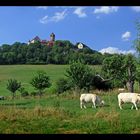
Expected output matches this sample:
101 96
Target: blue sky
103 28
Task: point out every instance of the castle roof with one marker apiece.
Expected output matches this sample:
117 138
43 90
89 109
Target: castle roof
52 34
37 38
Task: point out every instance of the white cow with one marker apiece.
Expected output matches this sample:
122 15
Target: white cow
129 98
93 98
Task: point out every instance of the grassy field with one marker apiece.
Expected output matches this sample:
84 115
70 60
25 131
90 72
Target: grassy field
54 114
24 74
62 114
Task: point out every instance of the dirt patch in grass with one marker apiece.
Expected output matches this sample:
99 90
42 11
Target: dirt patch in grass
135 131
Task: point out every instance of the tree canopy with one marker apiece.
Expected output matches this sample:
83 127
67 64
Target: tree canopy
61 52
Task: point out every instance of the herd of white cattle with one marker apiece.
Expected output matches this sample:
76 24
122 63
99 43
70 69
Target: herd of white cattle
123 97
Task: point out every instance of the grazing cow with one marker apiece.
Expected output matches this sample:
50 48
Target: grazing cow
93 98
129 98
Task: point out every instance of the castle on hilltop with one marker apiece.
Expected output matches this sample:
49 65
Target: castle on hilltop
51 42
44 42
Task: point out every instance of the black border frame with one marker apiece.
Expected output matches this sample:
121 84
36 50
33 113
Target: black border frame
70 3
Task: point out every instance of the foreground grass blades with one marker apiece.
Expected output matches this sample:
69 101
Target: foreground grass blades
54 115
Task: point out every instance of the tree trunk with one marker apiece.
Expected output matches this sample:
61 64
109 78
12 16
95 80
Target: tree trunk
130 86
13 95
130 82
77 91
40 93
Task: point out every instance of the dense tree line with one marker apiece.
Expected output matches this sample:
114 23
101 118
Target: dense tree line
60 53
122 69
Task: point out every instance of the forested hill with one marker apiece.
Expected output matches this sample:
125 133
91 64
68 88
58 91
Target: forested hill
61 52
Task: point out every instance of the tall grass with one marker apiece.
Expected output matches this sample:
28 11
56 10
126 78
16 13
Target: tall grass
58 114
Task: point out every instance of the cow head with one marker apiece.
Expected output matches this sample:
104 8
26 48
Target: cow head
102 103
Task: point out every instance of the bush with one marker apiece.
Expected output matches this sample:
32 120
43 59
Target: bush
63 85
23 92
41 81
13 85
117 83
80 74
34 93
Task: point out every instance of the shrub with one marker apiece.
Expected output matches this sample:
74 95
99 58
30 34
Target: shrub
23 92
34 93
63 85
80 74
41 81
13 85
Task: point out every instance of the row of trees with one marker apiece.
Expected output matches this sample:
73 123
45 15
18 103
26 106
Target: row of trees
61 53
39 82
117 70
78 76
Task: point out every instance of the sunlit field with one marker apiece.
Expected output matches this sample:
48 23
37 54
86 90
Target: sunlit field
53 114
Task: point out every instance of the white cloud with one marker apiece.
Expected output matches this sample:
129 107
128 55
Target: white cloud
114 50
58 16
44 20
79 12
136 8
106 9
126 36
42 7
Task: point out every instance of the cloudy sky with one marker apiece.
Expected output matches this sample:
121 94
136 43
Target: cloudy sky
103 28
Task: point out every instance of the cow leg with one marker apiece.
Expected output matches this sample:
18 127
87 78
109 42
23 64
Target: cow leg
81 105
135 106
94 104
120 103
85 107
132 107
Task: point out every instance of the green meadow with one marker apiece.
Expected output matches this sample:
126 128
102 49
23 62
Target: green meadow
24 74
53 114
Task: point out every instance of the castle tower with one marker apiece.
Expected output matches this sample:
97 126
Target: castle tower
52 37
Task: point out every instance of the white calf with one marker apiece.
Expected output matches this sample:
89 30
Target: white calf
129 98
93 98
